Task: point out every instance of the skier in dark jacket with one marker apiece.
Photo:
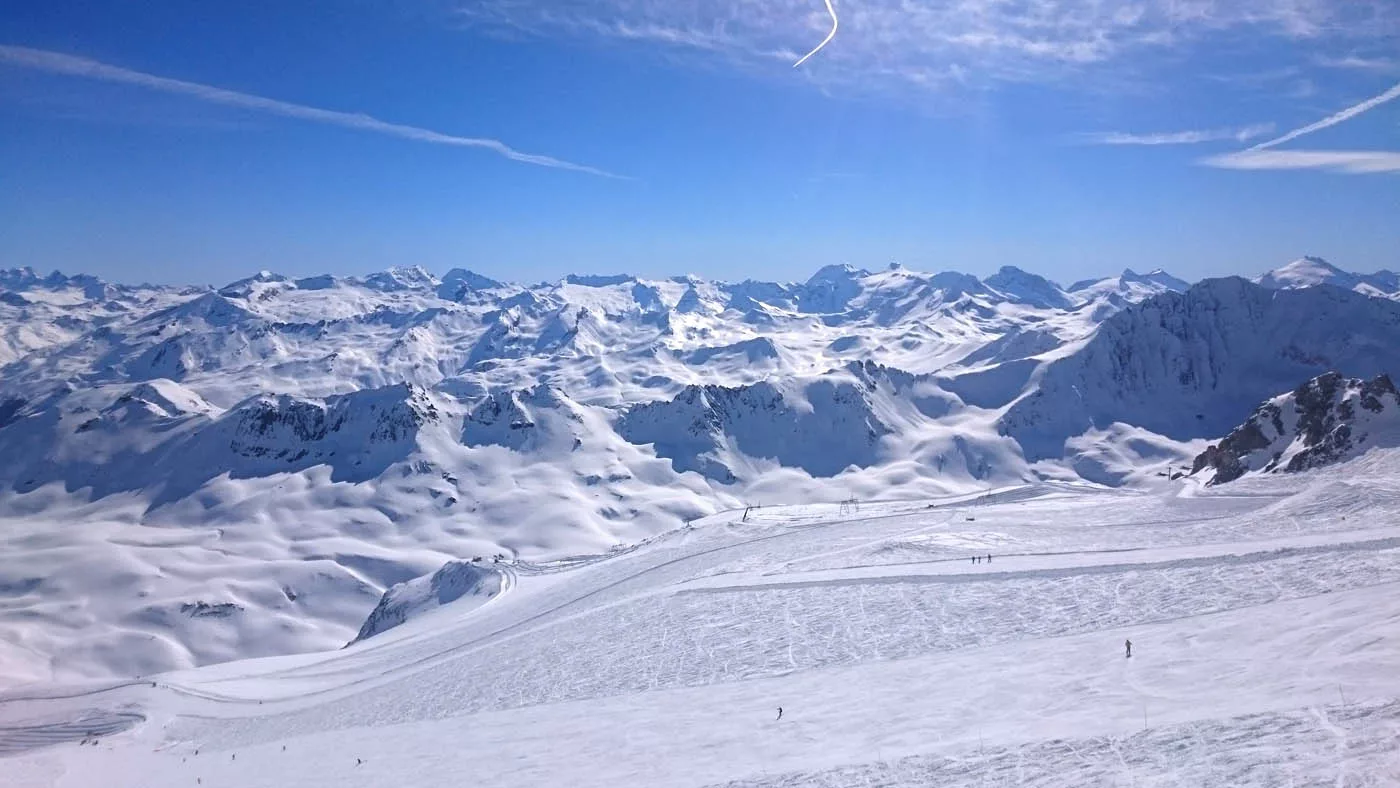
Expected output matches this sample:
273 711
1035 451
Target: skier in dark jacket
780 712
1128 648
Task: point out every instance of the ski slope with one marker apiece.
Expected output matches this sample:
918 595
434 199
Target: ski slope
1262 614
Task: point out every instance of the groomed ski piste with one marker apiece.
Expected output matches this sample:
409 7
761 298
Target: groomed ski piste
1264 617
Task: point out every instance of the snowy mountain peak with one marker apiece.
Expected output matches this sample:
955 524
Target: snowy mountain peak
397 279
1128 287
18 278
599 280
459 281
252 285
1028 288
1315 271
1158 277
1307 272
1326 420
837 273
831 289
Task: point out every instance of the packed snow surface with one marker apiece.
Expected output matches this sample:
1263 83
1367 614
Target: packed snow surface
1262 617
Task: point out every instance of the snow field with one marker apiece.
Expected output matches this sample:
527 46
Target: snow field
1264 627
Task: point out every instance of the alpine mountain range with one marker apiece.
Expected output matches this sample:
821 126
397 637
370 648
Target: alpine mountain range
340 436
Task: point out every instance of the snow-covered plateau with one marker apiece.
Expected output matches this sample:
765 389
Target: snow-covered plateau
410 530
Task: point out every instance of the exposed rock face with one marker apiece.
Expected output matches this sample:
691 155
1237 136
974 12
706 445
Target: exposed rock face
1326 420
538 417
291 428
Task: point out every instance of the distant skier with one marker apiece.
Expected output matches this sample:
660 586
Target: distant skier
989 558
974 559
780 713
1127 648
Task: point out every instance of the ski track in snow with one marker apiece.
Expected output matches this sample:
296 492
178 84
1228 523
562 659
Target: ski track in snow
1263 621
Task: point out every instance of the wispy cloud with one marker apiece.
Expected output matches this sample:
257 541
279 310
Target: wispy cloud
1359 63
1332 120
1243 134
1352 162
69 65
943 43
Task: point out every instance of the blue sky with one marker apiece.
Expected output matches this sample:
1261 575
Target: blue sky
198 142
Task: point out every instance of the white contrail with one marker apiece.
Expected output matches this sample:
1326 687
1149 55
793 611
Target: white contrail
1346 114
835 23
57 63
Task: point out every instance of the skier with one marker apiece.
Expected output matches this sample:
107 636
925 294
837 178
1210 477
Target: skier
780 713
974 559
989 558
1128 648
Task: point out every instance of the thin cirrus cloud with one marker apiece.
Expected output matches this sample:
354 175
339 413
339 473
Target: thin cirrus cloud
70 65
1264 155
933 44
1359 63
1243 134
1350 162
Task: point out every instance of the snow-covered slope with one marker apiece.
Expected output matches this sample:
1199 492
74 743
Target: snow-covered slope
826 645
822 425
258 463
1326 420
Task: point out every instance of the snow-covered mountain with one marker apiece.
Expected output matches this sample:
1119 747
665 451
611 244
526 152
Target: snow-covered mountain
1313 271
1187 365
1129 285
1326 420
822 425
310 443
1031 289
